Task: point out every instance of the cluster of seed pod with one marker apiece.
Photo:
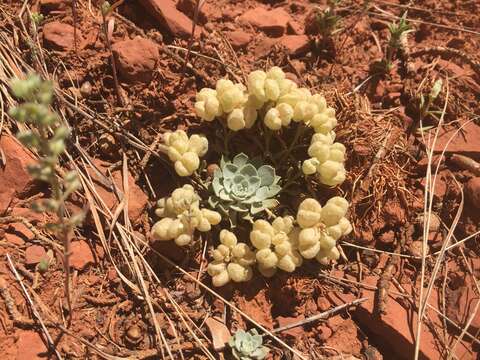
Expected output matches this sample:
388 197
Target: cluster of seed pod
185 152
181 215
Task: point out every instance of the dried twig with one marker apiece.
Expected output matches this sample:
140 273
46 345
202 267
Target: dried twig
322 316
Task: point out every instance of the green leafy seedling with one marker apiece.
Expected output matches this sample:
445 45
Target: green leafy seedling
248 345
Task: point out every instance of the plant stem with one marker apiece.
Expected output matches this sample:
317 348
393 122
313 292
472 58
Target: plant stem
112 59
298 134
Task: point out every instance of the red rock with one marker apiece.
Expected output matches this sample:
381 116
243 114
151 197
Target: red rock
439 188
239 39
472 191
53 5
296 44
136 58
264 47
137 199
18 233
166 13
14 177
257 305
345 338
31 346
293 332
398 325
323 332
32 216
294 28
464 142
219 332
59 36
81 255
188 8
323 304
272 22
34 254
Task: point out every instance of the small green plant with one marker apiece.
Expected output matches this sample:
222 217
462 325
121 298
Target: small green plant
242 186
398 32
47 136
248 345
327 20
425 107
37 18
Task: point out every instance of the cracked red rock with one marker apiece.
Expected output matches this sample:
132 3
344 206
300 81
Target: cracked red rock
271 22
81 255
60 36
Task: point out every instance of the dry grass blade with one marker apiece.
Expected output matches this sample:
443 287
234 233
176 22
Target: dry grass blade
34 308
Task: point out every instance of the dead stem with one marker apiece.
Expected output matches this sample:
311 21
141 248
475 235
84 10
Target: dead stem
112 60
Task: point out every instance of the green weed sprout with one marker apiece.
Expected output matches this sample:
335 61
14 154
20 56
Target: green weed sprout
37 18
425 104
37 95
248 345
328 20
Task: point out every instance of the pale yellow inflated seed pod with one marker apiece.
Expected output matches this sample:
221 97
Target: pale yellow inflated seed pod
331 173
286 263
335 209
286 86
237 272
260 240
327 242
198 144
267 257
183 239
275 73
203 225
221 279
345 225
213 217
272 90
319 151
236 120
160 229
308 243
309 166
283 248
228 238
272 119
264 226
309 213
285 112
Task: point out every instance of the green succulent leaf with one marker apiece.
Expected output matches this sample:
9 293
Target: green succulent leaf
240 159
267 174
247 345
240 183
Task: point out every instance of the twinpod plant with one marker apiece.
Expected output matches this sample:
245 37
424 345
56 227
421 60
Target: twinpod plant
241 186
248 345
47 136
263 161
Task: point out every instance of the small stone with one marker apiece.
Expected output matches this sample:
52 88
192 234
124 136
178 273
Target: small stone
53 5
34 254
188 8
14 177
81 255
86 89
272 22
166 13
136 59
219 332
264 47
239 39
472 191
60 36
323 304
296 45
324 332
